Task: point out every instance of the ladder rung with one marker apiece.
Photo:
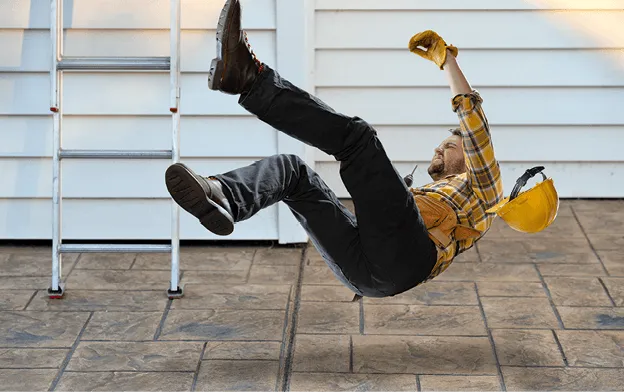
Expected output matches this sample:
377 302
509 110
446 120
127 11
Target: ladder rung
134 154
115 63
106 248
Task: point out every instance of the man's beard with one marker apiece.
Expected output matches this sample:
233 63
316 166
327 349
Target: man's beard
436 170
441 170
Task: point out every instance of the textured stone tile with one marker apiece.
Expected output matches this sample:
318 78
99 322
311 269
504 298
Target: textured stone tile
143 356
547 269
577 292
595 206
613 242
320 275
105 260
423 355
563 379
310 293
592 318
278 256
537 249
616 289
308 382
125 381
593 348
613 262
480 272
519 313
25 282
321 353
328 318
214 277
223 325
423 320
15 299
469 256
110 301
274 274
118 280
565 225
494 250
40 329
527 348
122 326
235 297
243 350
208 258
32 264
32 358
511 289
432 293
313 257
237 376
26 379
459 383
602 223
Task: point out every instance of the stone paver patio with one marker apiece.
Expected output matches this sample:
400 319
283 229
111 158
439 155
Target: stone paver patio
518 312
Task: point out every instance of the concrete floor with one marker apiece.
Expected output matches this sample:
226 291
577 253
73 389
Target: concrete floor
518 312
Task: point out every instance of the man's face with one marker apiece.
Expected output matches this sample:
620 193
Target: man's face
448 158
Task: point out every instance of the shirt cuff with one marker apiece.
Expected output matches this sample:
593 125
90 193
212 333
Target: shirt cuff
466 102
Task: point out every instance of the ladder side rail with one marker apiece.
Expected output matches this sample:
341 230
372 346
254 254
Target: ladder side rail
56 40
175 33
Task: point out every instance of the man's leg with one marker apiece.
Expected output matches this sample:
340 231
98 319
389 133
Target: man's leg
392 232
394 239
248 190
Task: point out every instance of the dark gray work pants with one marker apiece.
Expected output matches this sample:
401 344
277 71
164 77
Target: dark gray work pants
381 251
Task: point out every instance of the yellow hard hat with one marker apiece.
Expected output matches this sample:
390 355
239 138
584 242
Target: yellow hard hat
530 211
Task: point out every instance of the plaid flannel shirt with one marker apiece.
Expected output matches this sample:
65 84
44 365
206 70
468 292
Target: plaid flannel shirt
471 193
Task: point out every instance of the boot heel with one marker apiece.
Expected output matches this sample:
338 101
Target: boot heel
215 73
217 222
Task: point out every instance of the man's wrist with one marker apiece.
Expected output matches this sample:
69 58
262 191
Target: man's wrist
449 58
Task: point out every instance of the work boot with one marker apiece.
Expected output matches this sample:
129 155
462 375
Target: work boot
201 197
236 66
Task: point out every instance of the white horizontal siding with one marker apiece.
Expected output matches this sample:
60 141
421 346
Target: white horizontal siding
135 14
203 136
508 106
117 198
29 50
454 5
114 219
114 94
551 73
507 68
491 29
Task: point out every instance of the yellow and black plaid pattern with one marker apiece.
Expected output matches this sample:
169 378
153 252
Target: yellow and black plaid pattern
479 188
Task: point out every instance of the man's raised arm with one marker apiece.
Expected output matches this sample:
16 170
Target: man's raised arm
482 167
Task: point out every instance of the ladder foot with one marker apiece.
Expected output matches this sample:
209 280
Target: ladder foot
57 294
179 293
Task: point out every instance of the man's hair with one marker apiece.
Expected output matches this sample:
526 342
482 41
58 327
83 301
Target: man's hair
456 131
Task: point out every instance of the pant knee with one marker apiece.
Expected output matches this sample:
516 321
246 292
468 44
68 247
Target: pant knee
360 135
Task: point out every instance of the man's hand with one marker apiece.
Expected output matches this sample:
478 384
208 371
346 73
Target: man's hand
436 48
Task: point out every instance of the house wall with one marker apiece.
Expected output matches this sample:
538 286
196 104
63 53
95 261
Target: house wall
127 199
552 82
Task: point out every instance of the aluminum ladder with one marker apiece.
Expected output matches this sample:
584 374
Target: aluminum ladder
62 63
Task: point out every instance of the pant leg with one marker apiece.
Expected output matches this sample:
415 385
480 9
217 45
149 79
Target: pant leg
393 235
331 226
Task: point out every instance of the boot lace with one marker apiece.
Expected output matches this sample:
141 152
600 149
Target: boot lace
253 55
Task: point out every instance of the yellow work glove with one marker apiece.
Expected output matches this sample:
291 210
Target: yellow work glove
435 45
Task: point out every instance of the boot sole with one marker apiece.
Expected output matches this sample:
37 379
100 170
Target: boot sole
218 64
188 193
